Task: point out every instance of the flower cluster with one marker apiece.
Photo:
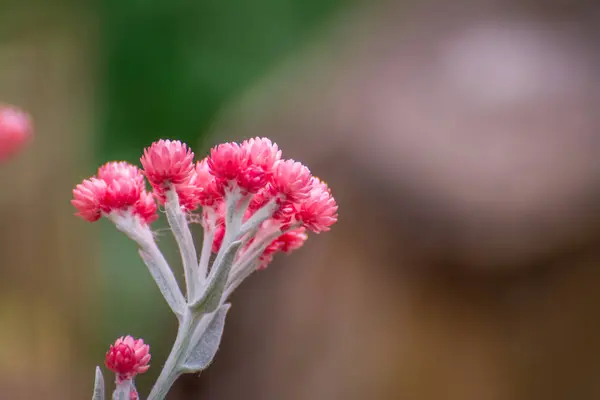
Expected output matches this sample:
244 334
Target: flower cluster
252 204
252 173
128 357
15 131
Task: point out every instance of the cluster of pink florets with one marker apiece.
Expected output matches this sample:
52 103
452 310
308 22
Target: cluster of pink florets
117 187
253 171
128 357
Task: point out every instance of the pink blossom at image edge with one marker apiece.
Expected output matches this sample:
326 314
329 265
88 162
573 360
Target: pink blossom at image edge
15 131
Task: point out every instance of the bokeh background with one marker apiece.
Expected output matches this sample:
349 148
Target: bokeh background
460 139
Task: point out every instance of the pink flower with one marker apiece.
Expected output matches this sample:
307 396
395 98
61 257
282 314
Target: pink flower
206 185
249 165
115 170
252 179
169 165
261 155
291 240
292 180
88 197
128 357
167 162
145 208
15 131
287 242
119 187
319 211
226 161
120 195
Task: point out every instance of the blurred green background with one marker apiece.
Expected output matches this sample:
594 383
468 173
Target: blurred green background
167 67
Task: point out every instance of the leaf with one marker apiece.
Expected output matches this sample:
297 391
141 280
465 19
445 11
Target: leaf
205 349
212 292
98 385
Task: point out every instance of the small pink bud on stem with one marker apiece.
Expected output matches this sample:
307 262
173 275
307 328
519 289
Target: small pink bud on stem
128 357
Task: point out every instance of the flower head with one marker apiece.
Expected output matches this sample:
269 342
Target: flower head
260 156
206 186
121 194
15 131
167 162
145 207
262 153
128 357
319 211
291 240
118 187
291 179
226 161
88 197
248 165
117 170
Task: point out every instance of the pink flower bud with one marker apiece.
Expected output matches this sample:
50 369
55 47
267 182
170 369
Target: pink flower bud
128 357
15 131
286 243
145 208
319 211
205 182
118 187
167 162
291 240
292 180
262 153
88 197
260 157
226 161
116 170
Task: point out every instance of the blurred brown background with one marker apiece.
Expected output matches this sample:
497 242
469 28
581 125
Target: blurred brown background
461 141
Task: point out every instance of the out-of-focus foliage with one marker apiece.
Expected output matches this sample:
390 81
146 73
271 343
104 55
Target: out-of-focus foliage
169 65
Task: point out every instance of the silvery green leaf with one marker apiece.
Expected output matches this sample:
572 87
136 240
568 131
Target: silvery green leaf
208 343
98 385
212 292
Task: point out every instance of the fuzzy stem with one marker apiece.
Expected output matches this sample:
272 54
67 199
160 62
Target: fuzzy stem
154 260
123 390
185 241
259 217
207 243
